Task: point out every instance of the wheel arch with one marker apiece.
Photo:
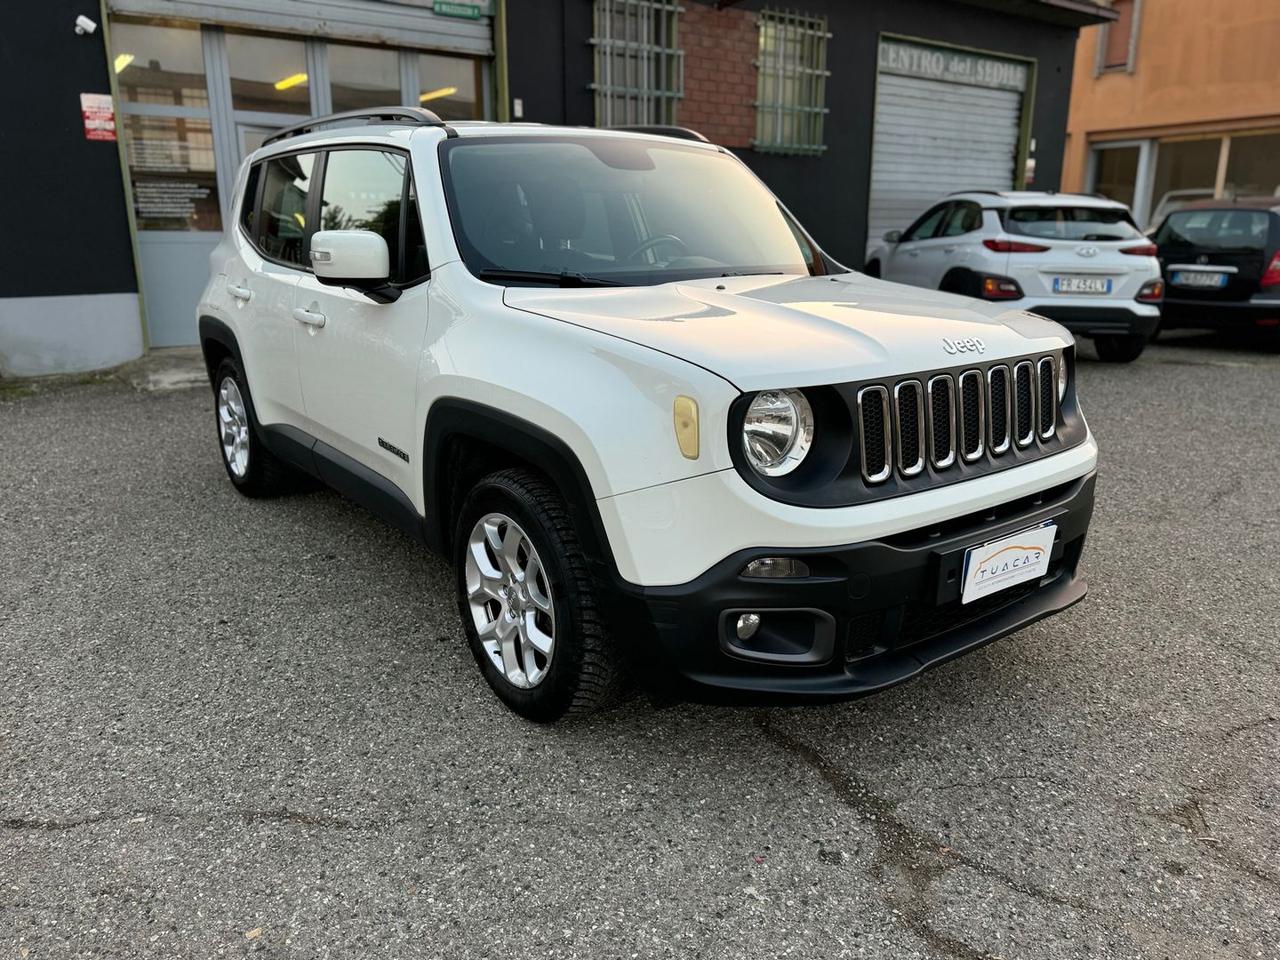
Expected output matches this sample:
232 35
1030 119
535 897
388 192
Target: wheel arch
464 440
960 280
217 340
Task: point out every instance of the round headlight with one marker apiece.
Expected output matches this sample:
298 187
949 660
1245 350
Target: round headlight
777 431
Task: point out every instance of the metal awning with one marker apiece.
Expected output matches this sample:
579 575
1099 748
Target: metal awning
1068 13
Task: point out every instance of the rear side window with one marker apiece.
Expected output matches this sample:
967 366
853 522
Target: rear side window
282 230
1219 229
1071 223
965 218
366 190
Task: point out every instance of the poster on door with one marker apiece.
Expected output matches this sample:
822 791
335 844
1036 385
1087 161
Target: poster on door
99 116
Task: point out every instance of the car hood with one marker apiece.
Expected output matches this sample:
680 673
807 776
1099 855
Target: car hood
761 332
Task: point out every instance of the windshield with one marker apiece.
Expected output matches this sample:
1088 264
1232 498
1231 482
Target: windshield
622 210
1071 223
1217 229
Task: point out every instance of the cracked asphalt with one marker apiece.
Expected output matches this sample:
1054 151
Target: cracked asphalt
253 728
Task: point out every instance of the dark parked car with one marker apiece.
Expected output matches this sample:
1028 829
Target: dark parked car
1221 264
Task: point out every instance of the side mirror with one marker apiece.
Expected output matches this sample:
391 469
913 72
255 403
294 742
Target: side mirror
358 259
892 236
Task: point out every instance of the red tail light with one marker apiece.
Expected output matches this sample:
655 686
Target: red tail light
1152 292
1141 250
1013 246
1000 288
1272 277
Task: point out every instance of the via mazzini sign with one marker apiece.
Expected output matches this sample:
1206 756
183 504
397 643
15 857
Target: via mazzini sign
951 66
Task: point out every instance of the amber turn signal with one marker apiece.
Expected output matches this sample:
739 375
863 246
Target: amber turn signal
685 416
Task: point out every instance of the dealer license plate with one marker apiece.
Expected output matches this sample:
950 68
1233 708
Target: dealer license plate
1094 285
1197 278
1006 562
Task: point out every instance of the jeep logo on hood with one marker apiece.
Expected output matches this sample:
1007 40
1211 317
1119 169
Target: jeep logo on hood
967 345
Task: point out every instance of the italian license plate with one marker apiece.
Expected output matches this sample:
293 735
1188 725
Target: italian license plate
1088 285
1006 562
1198 278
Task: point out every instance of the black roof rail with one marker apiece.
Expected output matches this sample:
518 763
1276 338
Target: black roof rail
681 133
993 193
411 116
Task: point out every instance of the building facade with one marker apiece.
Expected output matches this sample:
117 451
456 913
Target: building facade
1177 100
137 128
858 115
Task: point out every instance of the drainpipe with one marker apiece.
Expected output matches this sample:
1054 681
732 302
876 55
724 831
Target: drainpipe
502 79
105 21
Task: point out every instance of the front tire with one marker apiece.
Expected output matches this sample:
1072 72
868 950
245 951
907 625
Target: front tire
252 468
528 602
1120 348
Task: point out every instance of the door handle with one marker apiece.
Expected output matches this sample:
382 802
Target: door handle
913 253
948 249
239 292
309 317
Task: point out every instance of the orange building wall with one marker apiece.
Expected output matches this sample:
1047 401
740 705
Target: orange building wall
1198 65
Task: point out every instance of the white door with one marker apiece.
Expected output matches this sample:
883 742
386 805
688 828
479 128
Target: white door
909 261
358 359
933 138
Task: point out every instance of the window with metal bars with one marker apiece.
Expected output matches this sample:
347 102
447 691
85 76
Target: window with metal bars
639 67
791 81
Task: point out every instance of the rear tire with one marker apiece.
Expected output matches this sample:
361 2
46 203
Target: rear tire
528 603
253 469
1120 348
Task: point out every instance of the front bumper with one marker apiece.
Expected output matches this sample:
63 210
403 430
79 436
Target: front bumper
1093 320
1181 313
869 616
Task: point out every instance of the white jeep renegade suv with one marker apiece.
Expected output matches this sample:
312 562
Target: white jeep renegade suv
653 426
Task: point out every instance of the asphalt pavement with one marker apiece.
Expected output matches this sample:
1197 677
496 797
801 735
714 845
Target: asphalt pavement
253 728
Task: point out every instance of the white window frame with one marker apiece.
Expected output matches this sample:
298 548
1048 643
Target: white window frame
774 68
639 69
1143 179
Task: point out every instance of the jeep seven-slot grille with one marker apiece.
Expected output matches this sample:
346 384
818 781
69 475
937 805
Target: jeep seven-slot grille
1048 396
939 420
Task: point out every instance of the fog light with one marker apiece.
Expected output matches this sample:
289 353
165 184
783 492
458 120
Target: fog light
748 624
776 568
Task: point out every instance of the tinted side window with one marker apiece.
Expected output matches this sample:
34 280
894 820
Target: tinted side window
965 218
363 190
250 198
283 227
927 226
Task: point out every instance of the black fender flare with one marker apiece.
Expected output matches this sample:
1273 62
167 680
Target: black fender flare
213 330
454 417
961 280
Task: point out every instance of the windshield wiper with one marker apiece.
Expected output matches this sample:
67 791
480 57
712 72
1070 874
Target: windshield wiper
565 278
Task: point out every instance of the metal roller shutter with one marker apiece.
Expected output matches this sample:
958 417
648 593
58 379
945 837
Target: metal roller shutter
933 137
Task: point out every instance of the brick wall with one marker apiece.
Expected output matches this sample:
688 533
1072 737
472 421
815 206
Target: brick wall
719 73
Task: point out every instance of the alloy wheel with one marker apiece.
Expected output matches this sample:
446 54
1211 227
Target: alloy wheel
509 596
233 427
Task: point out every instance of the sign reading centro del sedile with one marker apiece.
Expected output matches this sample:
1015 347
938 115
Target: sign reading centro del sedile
951 66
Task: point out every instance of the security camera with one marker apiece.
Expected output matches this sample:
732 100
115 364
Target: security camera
85 25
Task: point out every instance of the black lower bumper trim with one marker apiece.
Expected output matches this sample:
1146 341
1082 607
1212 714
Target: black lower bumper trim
1218 315
894 603
1101 321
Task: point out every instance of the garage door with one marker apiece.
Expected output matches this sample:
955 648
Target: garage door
934 135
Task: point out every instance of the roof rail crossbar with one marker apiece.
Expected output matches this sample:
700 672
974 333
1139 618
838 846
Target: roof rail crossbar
662 130
411 116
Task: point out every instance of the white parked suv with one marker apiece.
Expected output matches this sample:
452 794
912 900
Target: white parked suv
1076 259
655 429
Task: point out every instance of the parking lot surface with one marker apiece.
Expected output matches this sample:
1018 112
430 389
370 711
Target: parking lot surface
232 727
